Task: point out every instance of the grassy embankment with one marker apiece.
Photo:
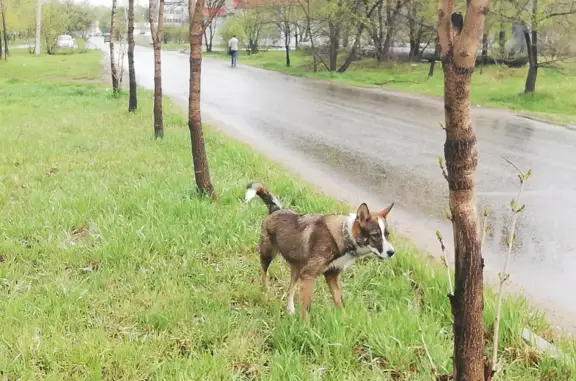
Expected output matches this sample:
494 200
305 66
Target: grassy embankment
112 268
497 86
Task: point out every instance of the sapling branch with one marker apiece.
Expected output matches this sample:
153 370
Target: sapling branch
485 226
442 168
446 262
504 276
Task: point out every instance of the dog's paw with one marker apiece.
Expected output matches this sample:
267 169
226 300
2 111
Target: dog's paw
290 309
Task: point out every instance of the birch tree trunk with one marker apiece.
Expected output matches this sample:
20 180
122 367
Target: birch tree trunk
157 36
113 70
133 100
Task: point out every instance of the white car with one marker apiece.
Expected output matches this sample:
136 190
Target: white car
65 42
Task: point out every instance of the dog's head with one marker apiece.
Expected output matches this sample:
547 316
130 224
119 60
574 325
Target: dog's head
370 232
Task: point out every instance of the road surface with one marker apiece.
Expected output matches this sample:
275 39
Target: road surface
359 144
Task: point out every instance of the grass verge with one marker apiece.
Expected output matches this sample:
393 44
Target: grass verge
497 86
112 268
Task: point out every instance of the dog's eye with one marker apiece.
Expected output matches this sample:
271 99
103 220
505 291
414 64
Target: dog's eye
386 234
375 235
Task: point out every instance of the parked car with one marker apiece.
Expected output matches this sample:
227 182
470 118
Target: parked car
106 37
65 42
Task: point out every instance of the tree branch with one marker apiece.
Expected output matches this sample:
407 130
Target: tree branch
444 30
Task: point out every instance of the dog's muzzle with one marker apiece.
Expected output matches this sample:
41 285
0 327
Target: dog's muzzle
382 256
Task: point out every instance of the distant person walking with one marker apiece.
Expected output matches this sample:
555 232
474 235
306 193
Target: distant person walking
233 49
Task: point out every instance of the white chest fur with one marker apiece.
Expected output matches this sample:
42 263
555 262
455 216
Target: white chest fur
343 263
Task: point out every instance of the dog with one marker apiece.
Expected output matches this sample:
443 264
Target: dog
315 245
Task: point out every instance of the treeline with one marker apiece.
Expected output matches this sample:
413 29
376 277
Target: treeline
516 32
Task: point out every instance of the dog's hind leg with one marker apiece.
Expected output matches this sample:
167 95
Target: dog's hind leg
267 254
294 274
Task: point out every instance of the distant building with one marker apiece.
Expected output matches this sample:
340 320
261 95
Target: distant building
176 11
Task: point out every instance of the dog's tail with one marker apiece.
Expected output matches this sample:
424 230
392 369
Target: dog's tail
257 189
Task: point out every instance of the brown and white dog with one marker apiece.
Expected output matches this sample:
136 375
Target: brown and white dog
315 245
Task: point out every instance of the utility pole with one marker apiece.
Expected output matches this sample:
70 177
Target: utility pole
38 27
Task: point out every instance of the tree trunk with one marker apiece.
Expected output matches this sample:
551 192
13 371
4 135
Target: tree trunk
391 18
133 100
6 52
157 35
501 43
378 33
211 39
436 57
530 85
532 46
484 51
0 45
296 37
287 34
352 54
38 33
201 172
334 45
458 46
113 70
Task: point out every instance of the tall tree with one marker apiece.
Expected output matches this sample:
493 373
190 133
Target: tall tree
157 36
133 100
0 45
113 70
214 8
38 34
459 39
4 31
201 172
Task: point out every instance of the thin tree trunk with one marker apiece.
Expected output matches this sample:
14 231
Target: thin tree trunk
484 51
530 85
532 46
157 35
38 27
0 45
133 100
287 43
334 45
113 70
6 52
458 46
201 172
436 57
502 43
295 37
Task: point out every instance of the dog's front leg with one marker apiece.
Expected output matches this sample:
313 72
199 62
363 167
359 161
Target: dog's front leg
335 285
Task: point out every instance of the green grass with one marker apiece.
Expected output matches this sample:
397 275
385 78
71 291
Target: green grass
497 86
112 268
82 65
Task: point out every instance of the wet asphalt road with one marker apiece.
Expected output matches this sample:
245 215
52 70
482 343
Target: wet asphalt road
377 146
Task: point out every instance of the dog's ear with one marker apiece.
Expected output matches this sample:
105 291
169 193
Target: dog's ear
363 214
385 212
